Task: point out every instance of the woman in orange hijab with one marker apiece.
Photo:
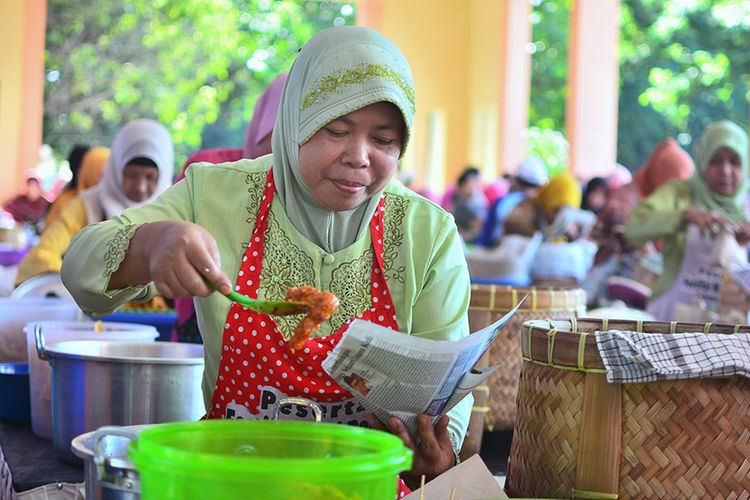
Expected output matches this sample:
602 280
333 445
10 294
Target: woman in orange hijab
668 161
88 175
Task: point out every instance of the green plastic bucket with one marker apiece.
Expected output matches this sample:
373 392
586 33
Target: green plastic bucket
221 459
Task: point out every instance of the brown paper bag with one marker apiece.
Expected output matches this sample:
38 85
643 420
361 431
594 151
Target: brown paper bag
471 478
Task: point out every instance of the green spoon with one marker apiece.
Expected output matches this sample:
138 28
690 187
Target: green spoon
270 307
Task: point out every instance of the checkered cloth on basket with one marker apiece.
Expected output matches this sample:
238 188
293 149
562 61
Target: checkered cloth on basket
641 357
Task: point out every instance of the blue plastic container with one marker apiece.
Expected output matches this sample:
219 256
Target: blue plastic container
502 280
163 321
14 392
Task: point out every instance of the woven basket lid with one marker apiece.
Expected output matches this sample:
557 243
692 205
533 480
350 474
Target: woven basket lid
571 344
505 298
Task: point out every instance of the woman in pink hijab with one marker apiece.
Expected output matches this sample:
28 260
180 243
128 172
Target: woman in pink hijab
257 143
258 138
258 135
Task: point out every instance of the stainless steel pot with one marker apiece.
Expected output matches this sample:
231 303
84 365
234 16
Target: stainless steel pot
97 383
109 473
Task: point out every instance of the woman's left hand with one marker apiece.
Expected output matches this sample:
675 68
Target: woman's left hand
434 454
742 232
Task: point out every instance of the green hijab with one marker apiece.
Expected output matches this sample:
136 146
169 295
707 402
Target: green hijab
718 135
340 70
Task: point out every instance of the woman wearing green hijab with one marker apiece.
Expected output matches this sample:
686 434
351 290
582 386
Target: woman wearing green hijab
687 215
321 210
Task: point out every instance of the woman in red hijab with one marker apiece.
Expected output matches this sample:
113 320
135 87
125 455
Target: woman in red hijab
30 205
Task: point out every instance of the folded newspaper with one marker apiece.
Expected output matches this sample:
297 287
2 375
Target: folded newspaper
392 374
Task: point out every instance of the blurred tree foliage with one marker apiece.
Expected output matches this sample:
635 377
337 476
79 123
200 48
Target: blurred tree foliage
549 74
683 64
198 66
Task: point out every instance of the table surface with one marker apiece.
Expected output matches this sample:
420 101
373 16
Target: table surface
32 460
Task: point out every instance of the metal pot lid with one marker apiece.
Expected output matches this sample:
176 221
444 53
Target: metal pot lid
171 353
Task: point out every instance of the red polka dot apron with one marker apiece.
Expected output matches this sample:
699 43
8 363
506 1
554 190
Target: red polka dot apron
257 367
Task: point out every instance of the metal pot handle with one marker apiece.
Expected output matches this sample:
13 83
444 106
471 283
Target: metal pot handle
317 411
103 461
39 340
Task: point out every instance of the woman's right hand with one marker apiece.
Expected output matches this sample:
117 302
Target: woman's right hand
706 220
177 256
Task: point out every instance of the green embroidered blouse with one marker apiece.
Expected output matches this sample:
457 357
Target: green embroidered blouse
660 217
424 264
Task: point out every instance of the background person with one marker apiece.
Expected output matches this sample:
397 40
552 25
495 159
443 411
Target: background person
544 213
531 176
468 204
29 207
595 195
687 214
87 174
139 167
668 161
75 157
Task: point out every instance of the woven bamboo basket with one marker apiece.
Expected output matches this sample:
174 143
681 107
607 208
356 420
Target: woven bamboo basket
495 403
576 436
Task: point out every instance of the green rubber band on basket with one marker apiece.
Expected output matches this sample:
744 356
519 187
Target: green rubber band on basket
581 349
574 324
528 340
605 324
707 328
639 326
594 495
737 328
550 345
672 327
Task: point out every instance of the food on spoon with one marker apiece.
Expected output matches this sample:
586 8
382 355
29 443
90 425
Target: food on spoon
99 326
320 306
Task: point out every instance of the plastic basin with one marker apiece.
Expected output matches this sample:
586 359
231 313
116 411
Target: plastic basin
15 313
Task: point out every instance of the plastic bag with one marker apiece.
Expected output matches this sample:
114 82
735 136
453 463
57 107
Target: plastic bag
727 252
564 260
510 260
